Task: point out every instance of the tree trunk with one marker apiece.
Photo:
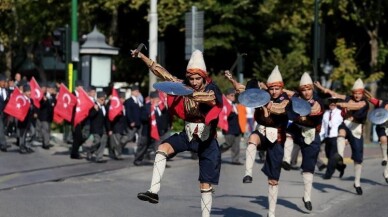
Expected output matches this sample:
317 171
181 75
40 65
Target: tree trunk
8 62
374 49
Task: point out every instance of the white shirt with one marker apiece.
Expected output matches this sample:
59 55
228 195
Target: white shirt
330 125
250 112
3 93
233 106
137 101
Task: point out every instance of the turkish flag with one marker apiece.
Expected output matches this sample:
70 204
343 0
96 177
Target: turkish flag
18 105
223 116
65 105
115 107
154 127
36 92
84 104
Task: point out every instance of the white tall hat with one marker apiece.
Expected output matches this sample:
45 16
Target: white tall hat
275 78
196 61
305 79
358 85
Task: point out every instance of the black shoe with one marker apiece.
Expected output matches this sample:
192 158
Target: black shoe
137 163
342 170
30 150
23 151
308 205
286 166
237 163
225 147
326 177
101 161
3 148
76 157
46 147
383 163
148 196
386 179
247 179
358 189
118 158
322 167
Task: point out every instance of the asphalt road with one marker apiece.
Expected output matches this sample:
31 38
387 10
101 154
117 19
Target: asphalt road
49 184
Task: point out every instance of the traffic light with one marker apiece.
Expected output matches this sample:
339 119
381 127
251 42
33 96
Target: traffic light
61 42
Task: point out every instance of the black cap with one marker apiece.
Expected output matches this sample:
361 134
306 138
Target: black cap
230 91
51 84
21 83
43 83
90 88
154 94
122 95
3 77
26 87
79 83
101 94
135 87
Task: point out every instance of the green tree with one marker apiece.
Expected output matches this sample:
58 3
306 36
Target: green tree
347 71
288 36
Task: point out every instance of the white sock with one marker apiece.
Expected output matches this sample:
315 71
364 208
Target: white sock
384 150
250 156
288 146
206 202
341 145
386 171
272 199
308 184
159 166
357 174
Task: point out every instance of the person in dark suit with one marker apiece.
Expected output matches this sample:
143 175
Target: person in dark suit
3 101
133 108
161 121
77 131
118 132
46 112
233 135
98 128
24 127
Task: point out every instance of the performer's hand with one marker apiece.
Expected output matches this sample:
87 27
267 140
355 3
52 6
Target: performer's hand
263 86
110 132
228 75
96 107
368 94
319 86
302 118
136 54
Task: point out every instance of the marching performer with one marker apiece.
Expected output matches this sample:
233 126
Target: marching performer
271 134
200 112
355 110
381 130
304 131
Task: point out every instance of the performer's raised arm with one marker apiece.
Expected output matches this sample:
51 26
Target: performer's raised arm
328 91
237 86
155 67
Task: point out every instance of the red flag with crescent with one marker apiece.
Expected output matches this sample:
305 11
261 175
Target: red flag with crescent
36 92
18 105
223 116
65 104
115 107
84 104
154 127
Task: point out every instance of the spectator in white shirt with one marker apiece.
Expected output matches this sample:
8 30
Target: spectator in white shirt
332 118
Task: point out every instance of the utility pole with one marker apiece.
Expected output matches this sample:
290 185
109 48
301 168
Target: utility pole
153 39
316 40
73 66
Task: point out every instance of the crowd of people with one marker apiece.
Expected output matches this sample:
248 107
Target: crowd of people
276 130
97 122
